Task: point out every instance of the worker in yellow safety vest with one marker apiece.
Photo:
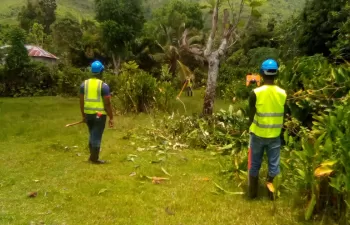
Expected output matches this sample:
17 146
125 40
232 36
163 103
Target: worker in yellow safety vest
267 109
95 105
189 87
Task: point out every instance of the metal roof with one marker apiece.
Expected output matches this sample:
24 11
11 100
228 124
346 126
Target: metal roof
35 51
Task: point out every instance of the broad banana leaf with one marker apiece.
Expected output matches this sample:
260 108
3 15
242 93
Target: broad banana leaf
323 171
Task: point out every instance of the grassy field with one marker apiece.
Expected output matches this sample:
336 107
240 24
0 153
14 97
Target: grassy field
39 155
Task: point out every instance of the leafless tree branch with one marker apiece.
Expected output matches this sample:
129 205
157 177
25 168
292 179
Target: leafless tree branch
225 24
234 27
211 38
194 49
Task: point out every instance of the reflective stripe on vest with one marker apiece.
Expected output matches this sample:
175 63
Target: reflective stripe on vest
93 101
268 119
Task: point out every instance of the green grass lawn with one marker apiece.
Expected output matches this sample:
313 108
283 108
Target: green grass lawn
38 154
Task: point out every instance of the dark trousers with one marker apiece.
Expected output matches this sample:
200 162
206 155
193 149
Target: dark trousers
257 148
96 127
189 91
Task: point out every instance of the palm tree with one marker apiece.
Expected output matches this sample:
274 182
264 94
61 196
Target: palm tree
174 46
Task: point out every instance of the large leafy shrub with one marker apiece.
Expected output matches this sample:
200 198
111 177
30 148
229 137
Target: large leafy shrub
69 80
34 79
138 91
229 79
318 168
313 85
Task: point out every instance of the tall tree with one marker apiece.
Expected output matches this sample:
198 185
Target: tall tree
341 51
36 35
38 11
177 13
17 56
167 27
92 40
321 20
67 35
122 21
230 36
28 15
47 13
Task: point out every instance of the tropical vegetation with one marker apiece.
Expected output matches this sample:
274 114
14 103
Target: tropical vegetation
150 48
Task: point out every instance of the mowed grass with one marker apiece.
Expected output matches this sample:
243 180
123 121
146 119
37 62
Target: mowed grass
38 154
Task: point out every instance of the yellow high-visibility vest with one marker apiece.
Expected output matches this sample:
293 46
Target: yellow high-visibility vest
268 119
189 83
93 100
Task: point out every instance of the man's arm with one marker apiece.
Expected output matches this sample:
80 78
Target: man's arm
285 117
252 107
82 101
107 101
108 107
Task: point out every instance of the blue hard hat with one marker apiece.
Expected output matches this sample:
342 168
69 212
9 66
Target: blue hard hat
269 67
97 67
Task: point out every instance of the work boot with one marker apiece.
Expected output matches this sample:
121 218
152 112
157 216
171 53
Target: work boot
91 152
253 187
94 157
270 188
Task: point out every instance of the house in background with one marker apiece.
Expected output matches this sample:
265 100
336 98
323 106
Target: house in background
35 53
39 54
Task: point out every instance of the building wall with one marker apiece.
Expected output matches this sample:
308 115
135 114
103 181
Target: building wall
44 60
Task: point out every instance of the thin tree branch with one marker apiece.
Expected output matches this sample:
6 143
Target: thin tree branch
311 92
223 46
234 27
249 20
192 49
225 24
232 44
184 39
214 25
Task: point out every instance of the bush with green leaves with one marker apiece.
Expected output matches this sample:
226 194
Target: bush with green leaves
317 162
34 79
231 82
69 80
313 85
17 56
138 91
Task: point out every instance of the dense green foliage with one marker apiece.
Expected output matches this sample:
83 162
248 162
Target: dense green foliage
121 23
40 11
17 57
67 34
321 21
138 91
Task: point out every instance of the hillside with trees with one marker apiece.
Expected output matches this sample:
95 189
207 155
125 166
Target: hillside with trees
9 9
279 9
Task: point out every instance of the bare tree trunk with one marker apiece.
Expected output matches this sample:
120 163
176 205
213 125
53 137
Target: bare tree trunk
228 39
213 57
214 61
116 63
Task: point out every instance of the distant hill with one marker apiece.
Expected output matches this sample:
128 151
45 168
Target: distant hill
282 9
279 9
9 9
